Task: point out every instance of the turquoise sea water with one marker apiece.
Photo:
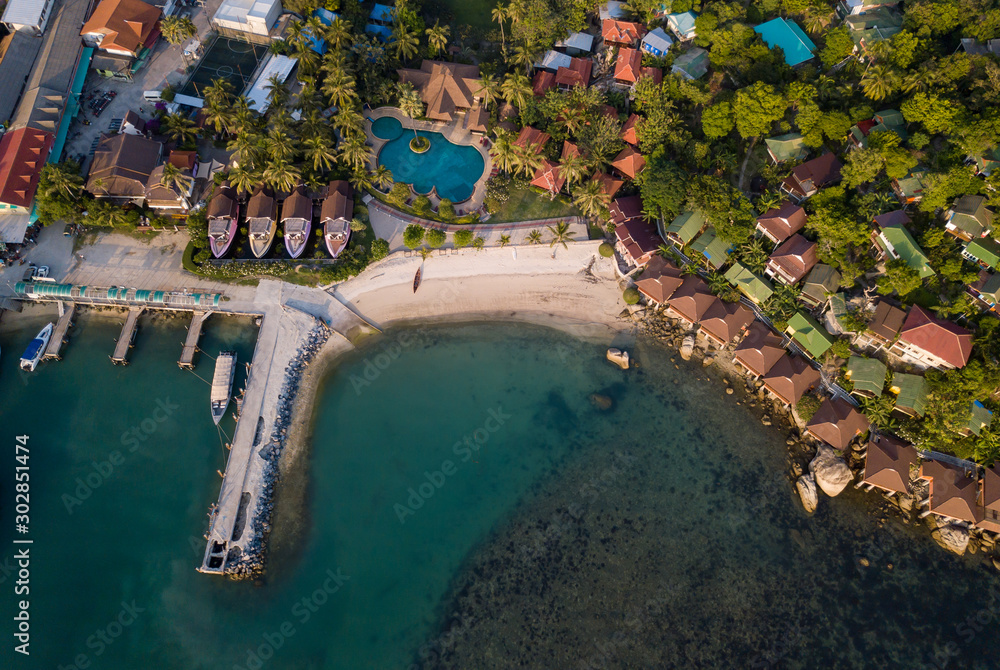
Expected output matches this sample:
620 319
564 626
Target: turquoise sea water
439 454
450 168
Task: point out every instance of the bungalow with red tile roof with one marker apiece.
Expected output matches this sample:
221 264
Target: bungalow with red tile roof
542 82
887 463
625 208
609 185
22 155
637 241
790 378
692 300
724 321
531 137
659 280
628 67
549 177
629 162
792 261
780 223
122 27
760 350
927 341
990 490
655 73
837 422
628 131
622 33
807 179
577 74
954 491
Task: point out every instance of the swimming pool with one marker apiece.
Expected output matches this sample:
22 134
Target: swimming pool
452 169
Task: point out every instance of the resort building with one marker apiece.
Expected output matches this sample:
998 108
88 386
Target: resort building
725 321
714 250
250 20
22 154
807 179
792 261
629 162
886 120
893 240
122 166
790 378
448 89
990 498
622 33
27 16
821 282
682 25
380 22
656 43
553 60
911 393
790 147
969 218
542 82
809 334
549 176
910 189
577 44
760 350
122 27
782 222
628 134
685 228
659 280
986 289
954 491
979 420
926 341
609 185
752 286
17 55
985 252
173 196
785 33
626 208
577 73
837 422
888 462
867 375
628 67
691 301
692 64
886 323
637 241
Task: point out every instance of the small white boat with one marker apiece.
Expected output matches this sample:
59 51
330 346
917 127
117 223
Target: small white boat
222 384
33 354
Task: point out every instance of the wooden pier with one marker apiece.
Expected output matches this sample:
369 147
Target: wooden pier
186 361
66 312
126 339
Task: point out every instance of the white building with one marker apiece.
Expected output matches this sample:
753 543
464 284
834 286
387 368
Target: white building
27 16
247 19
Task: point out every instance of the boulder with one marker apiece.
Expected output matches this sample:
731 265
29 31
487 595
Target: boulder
953 538
618 357
831 472
601 402
806 487
687 347
708 360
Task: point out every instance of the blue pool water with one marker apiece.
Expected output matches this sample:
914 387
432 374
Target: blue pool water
450 168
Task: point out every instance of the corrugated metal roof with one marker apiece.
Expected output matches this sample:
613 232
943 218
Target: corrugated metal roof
17 55
257 93
24 12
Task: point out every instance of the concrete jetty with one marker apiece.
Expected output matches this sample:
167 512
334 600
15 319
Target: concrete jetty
125 340
66 312
186 361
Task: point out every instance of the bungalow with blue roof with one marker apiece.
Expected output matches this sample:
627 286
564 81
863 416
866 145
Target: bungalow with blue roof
380 22
656 43
326 17
682 25
798 48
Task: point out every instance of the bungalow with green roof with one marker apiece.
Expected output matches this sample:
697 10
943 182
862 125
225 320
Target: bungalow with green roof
836 313
790 147
867 375
910 189
894 240
715 251
685 228
987 289
980 419
682 25
809 335
984 251
692 64
969 218
751 285
784 33
821 281
987 162
911 393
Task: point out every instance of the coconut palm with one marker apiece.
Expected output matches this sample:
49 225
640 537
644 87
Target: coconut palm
246 119
297 36
768 200
500 15
247 147
281 175
573 168
360 179
279 145
560 234
355 154
338 34
339 87
61 182
349 122
516 89
219 91
590 198
405 42
534 237
489 89
817 21
410 104
277 94
243 179
527 159
437 37
382 178
317 149
503 151
174 178
180 129
523 57
754 255
219 116
504 240
177 30
915 81
877 82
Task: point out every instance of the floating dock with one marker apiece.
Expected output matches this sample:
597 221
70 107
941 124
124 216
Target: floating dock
186 361
127 338
66 312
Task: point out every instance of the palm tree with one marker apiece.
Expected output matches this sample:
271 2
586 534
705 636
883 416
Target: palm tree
317 149
219 116
437 37
410 104
523 57
489 89
281 176
504 240
219 91
768 200
534 237
247 147
753 255
61 182
180 129
339 87
817 21
338 34
404 42
349 122
590 198
355 153
516 89
177 30
573 168
560 233
382 178
503 151
915 81
276 91
877 82
243 179
360 179
527 159
297 36
174 178
279 144
499 16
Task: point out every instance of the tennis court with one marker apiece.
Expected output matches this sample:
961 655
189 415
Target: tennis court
227 58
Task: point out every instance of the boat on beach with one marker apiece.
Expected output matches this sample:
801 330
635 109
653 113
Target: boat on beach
33 354
222 384
335 216
416 278
223 216
262 221
296 217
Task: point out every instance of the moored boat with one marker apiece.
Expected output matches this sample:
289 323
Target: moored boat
335 216
262 221
416 278
33 354
223 217
222 383
296 217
